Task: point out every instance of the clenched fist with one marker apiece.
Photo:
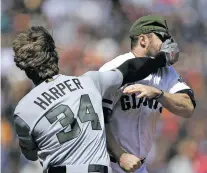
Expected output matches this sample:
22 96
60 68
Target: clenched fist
170 47
129 162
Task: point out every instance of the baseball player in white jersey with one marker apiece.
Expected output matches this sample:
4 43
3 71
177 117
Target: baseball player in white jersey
60 122
134 110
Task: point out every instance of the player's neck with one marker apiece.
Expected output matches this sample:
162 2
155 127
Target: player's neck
137 53
37 82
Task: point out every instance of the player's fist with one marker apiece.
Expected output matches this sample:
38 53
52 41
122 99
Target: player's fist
129 162
170 47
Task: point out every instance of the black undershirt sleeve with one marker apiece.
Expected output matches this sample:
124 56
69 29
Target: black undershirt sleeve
138 68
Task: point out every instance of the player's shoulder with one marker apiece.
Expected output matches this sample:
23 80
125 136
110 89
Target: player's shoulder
91 75
168 71
26 109
24 104
114 63
28 99
22 110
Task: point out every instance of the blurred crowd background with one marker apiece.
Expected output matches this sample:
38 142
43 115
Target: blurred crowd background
89 33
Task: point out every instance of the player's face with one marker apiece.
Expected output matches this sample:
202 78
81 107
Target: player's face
154 45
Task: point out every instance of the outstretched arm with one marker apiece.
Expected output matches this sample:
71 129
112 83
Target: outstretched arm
138 68
130 71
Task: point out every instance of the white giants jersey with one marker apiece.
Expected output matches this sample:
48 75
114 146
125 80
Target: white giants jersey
133 120
61 121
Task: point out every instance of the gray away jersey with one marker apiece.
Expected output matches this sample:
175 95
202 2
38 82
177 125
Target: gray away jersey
61 121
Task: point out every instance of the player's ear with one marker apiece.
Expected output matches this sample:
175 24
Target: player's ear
143 40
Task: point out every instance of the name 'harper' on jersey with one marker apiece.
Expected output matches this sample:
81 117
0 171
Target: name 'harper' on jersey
57 92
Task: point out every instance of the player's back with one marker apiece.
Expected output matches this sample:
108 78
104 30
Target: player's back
65 119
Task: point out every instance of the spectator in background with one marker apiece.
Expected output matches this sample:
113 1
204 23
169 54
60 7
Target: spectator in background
183 161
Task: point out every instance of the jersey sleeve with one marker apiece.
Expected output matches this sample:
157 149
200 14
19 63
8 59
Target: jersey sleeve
110 98
176 83
104 81
113 64
26 142
108 103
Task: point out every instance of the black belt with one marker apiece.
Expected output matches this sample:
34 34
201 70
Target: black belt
91 168
112 159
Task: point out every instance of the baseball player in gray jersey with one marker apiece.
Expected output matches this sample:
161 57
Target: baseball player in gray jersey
60 122
134 111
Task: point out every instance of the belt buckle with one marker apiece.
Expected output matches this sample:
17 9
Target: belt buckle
93 168
59 169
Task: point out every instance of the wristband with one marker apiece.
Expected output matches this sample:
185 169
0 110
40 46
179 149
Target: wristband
159 95
143 160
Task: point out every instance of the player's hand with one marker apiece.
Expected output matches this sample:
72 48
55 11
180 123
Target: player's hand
142 91
129 162
170 47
